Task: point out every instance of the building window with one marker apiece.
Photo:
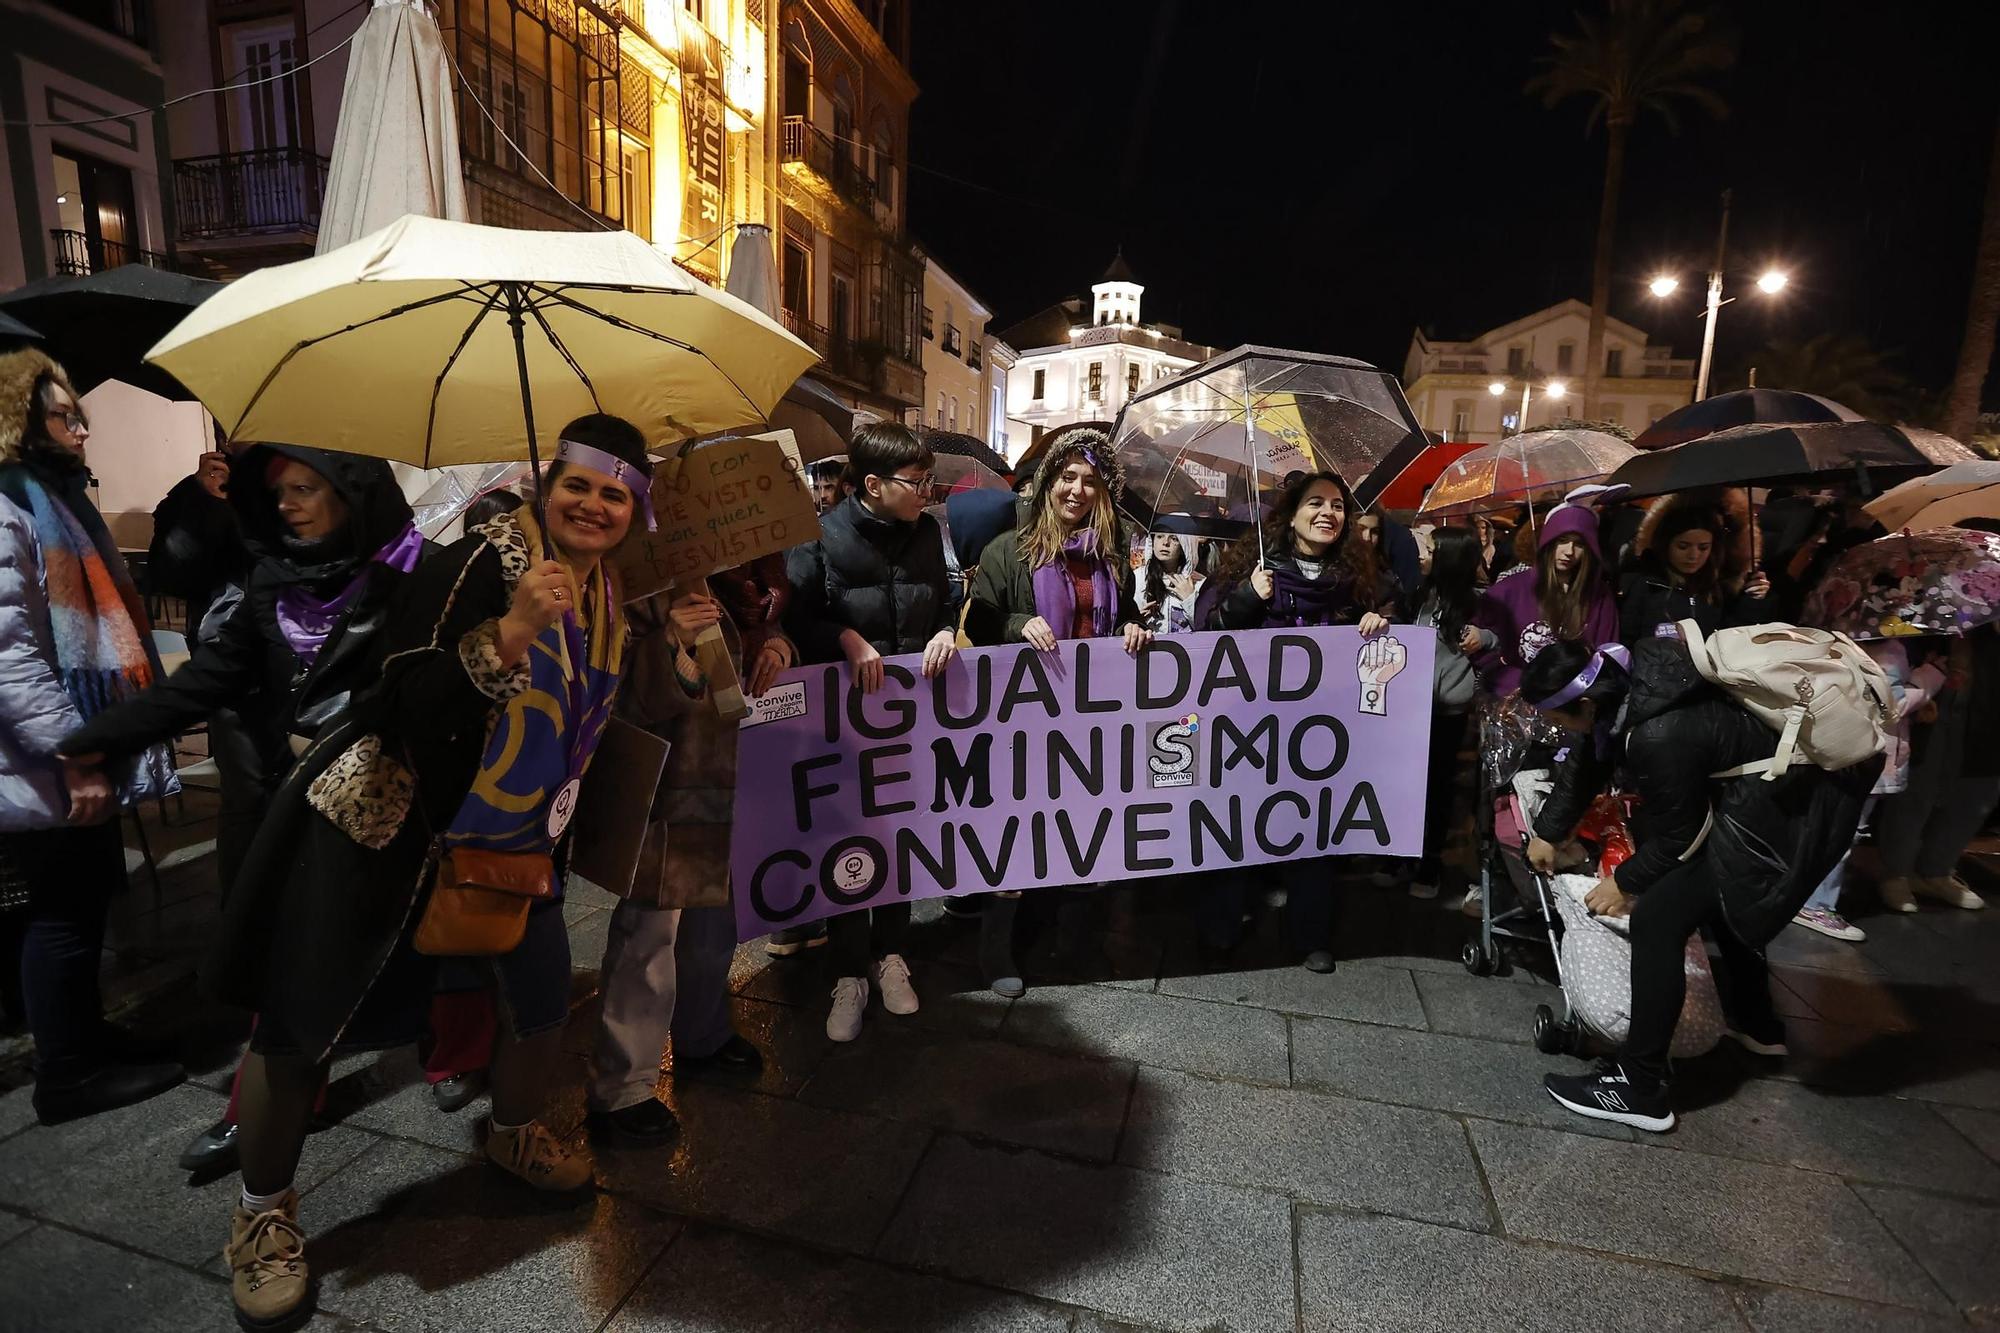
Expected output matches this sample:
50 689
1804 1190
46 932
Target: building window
952 420
1041 384
1132 379
1517 358
1096 381
930 328
1614 362
1461 419
952 345
940 410
798 73
972 355
798 284
1565 357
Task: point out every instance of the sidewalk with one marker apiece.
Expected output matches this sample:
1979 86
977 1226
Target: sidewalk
1256 1150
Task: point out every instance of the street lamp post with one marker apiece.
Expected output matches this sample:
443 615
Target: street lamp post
1771 283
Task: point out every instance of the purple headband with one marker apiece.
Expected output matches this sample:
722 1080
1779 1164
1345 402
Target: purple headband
1616 652
616 468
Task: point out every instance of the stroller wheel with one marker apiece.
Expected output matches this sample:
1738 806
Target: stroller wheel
1551 1037
1481 962
1572 1035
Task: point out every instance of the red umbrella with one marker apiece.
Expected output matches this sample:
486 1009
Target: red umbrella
1407 490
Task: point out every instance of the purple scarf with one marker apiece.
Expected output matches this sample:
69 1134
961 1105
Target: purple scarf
1055 596
1298 600
307 620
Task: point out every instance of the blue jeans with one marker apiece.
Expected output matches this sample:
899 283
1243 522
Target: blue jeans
1826 897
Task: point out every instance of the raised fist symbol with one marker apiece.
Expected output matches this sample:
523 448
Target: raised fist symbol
1380 661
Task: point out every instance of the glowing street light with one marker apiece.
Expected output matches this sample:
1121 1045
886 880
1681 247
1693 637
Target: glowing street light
1497 387
1772 282
1664 285
1556 390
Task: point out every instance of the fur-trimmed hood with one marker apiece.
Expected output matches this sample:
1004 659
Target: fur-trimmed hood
1088 440
19 370
1737 543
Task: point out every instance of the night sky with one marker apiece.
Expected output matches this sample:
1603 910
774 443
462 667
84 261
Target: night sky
1330 175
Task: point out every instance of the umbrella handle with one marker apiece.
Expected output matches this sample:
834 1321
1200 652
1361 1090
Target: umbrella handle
516 321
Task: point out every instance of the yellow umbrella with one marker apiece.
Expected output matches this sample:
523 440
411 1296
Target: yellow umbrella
435 342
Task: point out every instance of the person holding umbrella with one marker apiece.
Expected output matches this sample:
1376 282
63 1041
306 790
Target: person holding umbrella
74 642
431 812
1694 563
1306 567
1061 575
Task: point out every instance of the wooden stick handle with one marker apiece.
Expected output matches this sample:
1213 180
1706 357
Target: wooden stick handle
712 651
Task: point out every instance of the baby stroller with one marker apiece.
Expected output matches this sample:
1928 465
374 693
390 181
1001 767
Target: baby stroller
1512 739
1533 917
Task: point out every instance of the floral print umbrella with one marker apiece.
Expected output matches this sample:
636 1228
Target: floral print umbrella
1940 581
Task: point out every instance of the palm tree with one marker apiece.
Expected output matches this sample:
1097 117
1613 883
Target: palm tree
1975 353
1842 366
1636 56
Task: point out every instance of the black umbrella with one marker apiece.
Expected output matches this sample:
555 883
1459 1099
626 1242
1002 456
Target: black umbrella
1744 407
964 446
14 331
1792 455
820 423
101 325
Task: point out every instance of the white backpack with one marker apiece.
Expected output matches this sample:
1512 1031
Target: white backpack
1827 699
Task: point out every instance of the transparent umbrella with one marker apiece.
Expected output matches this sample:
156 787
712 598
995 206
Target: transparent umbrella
1524 469
1214 442
455 490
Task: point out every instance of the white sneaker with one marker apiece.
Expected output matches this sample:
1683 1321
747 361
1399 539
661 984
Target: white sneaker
892 978
1950 890
850 999
1419 889
1895 893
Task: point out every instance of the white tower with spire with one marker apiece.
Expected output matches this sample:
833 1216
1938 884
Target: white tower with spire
1115 296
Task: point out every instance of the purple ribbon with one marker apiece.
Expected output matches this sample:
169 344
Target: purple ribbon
616 468
307 621
1587 677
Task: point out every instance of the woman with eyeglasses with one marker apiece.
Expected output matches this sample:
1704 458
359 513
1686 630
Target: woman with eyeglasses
874 585
74 640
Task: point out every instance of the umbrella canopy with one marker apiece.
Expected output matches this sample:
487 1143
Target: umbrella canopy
457 488
819 422
1219 438
1744 407
1943 581
1527 468
100 325
1407 490
950 443
395 150
13 330
1792 456
430 341
1943 499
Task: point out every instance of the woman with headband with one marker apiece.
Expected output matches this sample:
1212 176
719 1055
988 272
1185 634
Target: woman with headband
1732 855
429 821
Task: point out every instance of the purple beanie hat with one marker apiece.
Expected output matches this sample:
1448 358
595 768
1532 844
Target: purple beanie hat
1577 521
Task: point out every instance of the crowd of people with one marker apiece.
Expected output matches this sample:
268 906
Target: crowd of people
403 728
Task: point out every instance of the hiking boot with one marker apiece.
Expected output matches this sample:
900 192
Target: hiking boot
267 1264
850 1001
538 1157
1896 894
892 980
1949 890
1606 1093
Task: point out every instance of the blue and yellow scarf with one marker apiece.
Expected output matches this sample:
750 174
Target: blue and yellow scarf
545 736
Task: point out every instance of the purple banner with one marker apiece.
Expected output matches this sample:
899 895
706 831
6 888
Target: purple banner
1018 769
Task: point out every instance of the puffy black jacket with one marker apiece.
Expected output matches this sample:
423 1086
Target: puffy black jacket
1768 844
884 580
1648 599
196 548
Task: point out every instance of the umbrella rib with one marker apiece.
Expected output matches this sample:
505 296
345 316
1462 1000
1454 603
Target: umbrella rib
564 352
616 322
437 385
303 344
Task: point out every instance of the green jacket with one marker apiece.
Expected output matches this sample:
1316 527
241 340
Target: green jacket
1003 595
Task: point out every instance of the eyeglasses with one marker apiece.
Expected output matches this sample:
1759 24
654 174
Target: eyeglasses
923 483
72 421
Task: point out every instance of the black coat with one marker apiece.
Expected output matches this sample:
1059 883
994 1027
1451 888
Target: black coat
886 581
197 548
249 666
1769 843
1648 599
315 936
1239 606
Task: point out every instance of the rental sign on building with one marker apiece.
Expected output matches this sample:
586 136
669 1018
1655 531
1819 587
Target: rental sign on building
1017 769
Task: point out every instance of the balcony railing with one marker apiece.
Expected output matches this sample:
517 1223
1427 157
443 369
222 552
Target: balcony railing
830 161
243 194
77 254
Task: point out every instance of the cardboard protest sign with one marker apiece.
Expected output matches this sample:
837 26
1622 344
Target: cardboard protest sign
1017 769
616 802
719 504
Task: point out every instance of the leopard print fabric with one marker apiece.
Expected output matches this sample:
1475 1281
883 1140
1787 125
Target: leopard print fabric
366 793
479 651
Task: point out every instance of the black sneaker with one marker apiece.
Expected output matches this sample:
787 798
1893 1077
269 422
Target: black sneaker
1607 1094
1766 1038
644 1124
735 1056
